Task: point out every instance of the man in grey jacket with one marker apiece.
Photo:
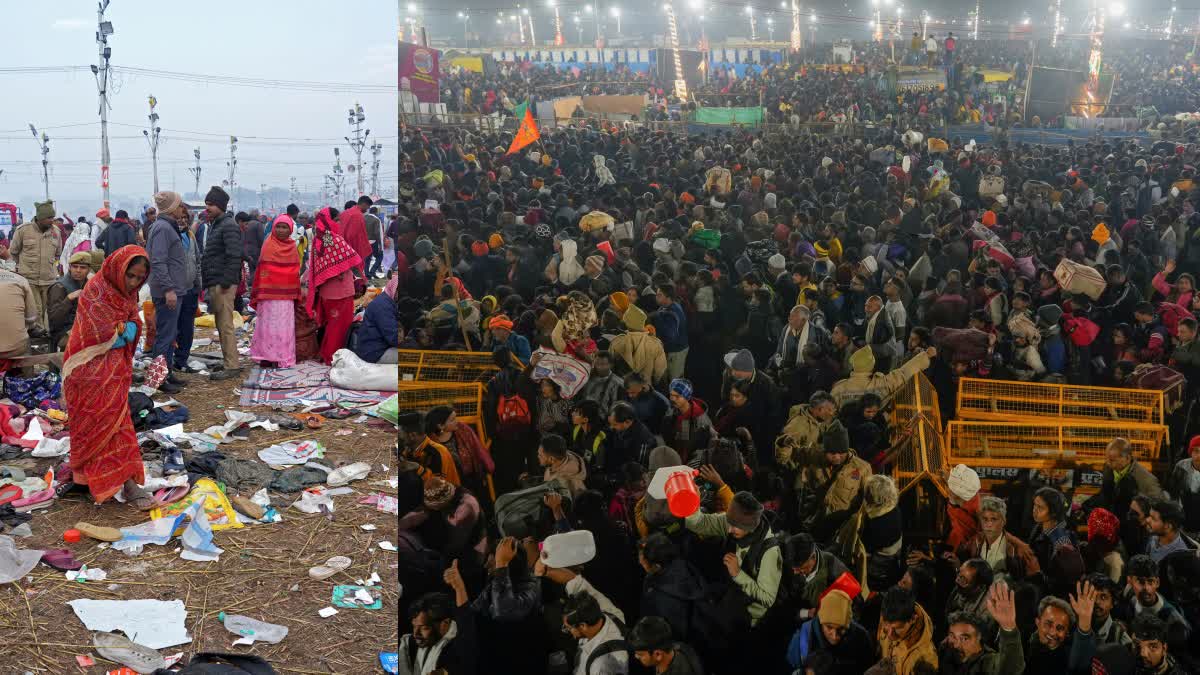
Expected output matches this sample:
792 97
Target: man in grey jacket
169 280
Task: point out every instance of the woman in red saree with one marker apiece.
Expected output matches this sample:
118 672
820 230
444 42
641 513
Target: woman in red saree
331 283
275 292
97 372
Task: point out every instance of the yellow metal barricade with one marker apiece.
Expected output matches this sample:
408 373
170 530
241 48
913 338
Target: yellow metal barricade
1012 400
416 365
1047 443
915 399
916 453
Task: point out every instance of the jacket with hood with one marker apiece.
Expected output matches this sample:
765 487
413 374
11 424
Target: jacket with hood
799 438
118 233
639 351
915 647
569 269
863 380
689 431
763 588
571 473
851 656
221 264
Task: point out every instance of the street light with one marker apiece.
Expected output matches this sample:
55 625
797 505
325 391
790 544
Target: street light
770 29
616 11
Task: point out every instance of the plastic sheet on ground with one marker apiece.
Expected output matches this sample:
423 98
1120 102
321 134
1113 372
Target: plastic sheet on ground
192 524
290 454
156 624
221 433
14 562
313 499
219 512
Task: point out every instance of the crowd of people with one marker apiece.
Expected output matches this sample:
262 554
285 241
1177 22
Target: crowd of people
80 289
746 303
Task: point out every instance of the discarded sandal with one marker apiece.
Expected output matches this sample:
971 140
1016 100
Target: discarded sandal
126 652
39 500
338 563
314 422
10 493
249 508
61 559
99 533
170 495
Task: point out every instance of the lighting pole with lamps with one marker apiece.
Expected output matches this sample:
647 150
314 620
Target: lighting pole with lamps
44 145
466 19
753 23
616 12
558 36
797 36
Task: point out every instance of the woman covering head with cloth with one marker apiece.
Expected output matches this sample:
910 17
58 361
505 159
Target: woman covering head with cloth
331 284
97 372
275 291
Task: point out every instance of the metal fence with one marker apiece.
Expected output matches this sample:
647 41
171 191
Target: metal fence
1001 400
1047 443
444 366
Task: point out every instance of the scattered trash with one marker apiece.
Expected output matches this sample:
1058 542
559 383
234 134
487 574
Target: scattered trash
387 546
14 562
327 612
338 563
351 472
291 454
85 573
61 559
357 597
368 527
382 502
248 507
196 523
221 515
126 652
252 630
84 660
156 624
390 661
96 532
313 499
49 447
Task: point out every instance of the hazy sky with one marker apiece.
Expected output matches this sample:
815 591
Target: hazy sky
310 40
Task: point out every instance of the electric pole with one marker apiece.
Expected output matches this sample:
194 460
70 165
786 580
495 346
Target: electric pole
292 191
102 73
339 176
152 138
44 144
195 171
262 196
376 150
232 164
357 117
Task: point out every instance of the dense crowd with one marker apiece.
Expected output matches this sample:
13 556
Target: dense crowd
747 304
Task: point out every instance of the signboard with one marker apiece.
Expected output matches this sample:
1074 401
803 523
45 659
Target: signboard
104 177
419 72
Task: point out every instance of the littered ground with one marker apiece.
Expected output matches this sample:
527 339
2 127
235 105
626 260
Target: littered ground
39 632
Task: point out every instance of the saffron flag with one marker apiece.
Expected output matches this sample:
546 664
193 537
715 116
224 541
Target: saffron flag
526 134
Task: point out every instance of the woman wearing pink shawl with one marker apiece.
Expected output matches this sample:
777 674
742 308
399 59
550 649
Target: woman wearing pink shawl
330 281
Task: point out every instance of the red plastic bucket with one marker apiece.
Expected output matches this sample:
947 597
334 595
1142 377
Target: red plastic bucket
683 499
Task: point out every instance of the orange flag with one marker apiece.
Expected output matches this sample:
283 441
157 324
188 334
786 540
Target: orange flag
526 134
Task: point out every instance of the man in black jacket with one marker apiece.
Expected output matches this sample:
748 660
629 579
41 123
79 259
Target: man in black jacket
119 233
221 269
252 240
443 631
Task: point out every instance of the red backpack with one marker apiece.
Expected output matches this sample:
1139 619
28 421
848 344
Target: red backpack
512 413
1082 331
1170 313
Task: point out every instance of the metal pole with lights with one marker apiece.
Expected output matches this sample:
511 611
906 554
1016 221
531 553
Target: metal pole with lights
466 19
43 143
797 36
376 151
975 30
616 12
339 175
356 119
195 170
1057 23
558 36
753 23
102 72
232 164
877 24
528 17
680 84
152 138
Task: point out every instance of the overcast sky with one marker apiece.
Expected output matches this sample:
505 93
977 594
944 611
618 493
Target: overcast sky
310 40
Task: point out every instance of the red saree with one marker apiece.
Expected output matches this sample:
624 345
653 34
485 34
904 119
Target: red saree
96 381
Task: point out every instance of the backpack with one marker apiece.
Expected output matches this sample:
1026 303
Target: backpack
1170 313
1082 331
522 513
610 647
512 413
141 409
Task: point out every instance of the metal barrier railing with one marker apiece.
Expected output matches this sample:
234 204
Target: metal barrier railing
1047 443
1011 400
416 365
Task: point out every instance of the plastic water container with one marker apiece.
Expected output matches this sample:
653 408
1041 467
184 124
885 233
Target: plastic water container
676 485
568 549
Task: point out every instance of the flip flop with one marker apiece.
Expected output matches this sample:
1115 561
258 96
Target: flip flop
61 559
99 533
10 493
39 500
170 495
338 563
126 652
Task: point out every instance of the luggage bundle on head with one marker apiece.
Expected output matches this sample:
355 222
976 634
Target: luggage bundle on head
595 220
1158 377
991 185
961 344
522 513
883 156
432 221
937 145
1036 188
759 251
1075 278
718 180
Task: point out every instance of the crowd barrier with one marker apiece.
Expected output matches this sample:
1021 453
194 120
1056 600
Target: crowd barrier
1047 443
416 365
1008 400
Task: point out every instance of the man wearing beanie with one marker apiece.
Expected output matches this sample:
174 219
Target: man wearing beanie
834 632
752 556
221 271
36 247
169 280
965 649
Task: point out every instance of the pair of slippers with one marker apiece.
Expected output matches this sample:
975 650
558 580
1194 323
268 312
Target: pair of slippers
144 501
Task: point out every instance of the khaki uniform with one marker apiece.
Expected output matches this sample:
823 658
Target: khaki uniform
37 254
884 385
847 485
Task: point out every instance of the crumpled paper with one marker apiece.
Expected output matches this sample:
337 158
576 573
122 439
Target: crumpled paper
196 536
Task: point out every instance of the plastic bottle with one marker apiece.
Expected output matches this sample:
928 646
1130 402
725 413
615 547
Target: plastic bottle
254 629
568 549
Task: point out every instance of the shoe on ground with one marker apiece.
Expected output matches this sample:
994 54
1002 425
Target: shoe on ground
138 378
98 532
187 370
176 380
225 374
167 388
244 505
